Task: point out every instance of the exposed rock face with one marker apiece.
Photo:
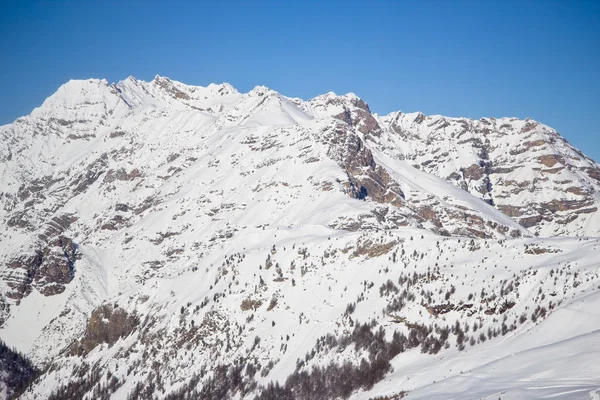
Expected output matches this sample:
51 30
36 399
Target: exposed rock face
48 269
365 177
350 109
48 266
358 115
92 173
107 324
170 88
121 175
366 248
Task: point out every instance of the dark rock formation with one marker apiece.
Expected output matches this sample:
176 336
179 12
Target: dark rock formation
107 324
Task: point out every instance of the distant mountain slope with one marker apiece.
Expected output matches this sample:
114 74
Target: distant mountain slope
526 169
173 240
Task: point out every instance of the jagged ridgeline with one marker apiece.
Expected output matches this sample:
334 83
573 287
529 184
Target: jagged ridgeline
161 240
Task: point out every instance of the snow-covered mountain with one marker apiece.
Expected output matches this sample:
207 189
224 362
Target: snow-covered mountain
161 239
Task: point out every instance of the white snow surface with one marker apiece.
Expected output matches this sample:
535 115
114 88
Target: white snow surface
183 195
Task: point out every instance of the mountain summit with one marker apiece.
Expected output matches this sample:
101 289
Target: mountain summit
166 240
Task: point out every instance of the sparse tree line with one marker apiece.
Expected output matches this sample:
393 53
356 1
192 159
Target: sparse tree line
90 385
16 370
339 379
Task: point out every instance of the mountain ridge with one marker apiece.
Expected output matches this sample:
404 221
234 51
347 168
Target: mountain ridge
576 190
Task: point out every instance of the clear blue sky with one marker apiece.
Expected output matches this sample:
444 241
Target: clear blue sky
538 59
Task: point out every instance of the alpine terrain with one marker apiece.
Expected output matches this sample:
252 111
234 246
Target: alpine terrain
166 241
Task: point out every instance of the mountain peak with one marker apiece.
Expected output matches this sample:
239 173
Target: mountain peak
74 87
74 93
223 89
261 90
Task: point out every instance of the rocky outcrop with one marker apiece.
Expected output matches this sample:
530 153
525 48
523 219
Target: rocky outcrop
121 175
366 179
92 173
357 114
107 324
167 85
48 269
